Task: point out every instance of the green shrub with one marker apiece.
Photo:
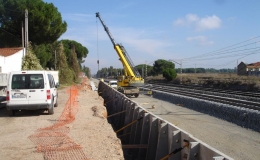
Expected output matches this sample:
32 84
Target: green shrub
30 61
169 74
66 76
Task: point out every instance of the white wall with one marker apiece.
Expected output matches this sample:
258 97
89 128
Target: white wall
11 63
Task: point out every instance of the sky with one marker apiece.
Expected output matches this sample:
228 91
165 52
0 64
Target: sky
192 34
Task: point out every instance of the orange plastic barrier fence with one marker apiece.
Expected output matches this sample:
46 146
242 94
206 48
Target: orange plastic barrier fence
53 141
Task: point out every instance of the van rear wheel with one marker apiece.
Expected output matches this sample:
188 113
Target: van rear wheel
56 104
51 109
11 112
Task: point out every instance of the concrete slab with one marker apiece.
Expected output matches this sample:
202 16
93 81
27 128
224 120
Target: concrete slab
94 88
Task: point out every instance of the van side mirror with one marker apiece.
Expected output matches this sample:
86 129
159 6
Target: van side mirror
57 85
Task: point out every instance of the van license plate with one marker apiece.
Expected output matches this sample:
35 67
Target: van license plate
19 96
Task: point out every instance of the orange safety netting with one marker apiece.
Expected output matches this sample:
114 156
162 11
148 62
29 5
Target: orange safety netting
53 141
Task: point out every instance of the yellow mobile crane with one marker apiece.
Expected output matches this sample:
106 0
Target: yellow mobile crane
129 82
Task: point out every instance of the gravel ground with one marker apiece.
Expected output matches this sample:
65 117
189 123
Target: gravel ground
87 130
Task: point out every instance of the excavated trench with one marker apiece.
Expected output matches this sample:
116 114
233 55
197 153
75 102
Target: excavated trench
145 136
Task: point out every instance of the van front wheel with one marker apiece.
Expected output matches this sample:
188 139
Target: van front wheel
51 109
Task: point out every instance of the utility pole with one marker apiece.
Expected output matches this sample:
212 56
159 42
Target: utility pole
98 67
145 69
181 72
180 66
23 38
26 31
237 67
55 61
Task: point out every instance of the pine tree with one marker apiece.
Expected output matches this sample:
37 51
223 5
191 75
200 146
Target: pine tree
65 73
75 64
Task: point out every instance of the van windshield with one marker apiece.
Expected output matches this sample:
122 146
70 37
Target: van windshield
27 81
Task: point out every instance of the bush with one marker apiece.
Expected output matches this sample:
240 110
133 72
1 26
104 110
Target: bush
30 61
169 74
66 76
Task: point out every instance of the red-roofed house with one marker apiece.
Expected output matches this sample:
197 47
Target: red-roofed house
11 59
249 69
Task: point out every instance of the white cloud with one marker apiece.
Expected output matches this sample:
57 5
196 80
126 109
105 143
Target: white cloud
179 22
201 40
199 24
77 17
192 18
212 22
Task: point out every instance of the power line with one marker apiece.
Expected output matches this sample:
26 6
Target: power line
229 62
228 51
225 64
224 56
11 34
224 49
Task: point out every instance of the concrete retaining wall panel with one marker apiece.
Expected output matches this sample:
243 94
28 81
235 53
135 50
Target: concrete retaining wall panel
162 146
144 135
154 138
128 119
134 126
138 132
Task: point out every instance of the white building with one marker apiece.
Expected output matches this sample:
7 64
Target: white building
11 59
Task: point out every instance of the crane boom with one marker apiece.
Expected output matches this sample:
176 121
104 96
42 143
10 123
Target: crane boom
124 57
106 29
131 77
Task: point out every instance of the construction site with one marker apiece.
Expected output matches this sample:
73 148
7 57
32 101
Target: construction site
69 90
106 124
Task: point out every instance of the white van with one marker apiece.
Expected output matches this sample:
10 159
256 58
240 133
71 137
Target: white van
31 90
113 84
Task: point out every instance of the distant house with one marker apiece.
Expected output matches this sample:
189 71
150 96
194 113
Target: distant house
81 74
11 59
248 69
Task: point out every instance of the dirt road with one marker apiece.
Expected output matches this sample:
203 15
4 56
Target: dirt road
76 130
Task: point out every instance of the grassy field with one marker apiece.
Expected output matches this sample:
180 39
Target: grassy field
217 80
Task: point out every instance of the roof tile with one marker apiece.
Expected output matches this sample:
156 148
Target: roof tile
9 51
254 64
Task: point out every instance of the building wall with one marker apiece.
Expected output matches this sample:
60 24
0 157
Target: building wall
11 63
254 72
242 69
